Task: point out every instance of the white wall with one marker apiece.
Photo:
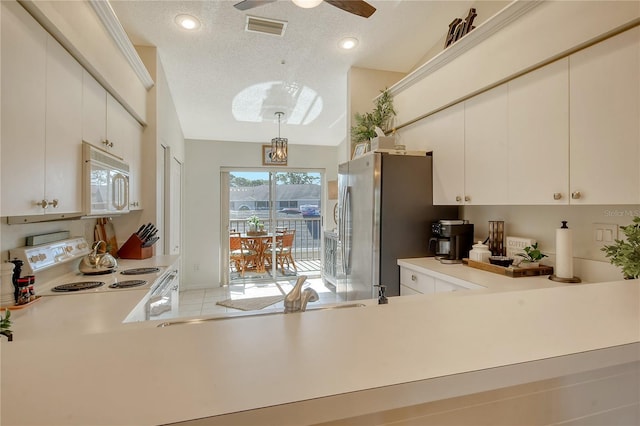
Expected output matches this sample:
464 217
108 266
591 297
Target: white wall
540 223
364 85
203 159
163 129
485 10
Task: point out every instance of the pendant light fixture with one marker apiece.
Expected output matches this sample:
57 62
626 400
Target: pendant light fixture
279 145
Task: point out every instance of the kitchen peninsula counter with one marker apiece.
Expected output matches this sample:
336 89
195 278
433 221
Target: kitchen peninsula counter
329 364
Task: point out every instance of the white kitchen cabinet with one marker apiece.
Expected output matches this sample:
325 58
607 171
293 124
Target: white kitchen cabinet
538 128
103 118
485 147
63 165
24 58
118 120
443 134
605 121
407 291
416 281
94 111
41 107
413 281
132 134
443 286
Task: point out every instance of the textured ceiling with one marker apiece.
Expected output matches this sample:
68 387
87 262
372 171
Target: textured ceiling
228 83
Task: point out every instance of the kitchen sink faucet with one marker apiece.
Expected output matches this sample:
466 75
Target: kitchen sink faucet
296 300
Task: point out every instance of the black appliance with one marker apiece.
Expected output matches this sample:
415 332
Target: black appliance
459 234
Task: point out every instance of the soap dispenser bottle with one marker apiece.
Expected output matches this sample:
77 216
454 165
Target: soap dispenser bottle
382 299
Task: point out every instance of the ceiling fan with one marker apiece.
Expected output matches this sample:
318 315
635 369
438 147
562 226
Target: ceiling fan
357 7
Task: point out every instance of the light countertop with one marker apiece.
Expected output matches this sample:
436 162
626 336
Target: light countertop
149 375
83 313
458 273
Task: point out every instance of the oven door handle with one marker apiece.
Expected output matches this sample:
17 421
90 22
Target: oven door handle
165 283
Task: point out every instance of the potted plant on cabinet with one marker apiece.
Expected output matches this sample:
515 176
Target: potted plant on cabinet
626 253
365 125
531 257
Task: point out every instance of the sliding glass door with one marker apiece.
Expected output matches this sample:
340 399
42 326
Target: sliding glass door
285 207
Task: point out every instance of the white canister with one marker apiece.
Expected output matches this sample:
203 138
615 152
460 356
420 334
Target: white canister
7 297
480 253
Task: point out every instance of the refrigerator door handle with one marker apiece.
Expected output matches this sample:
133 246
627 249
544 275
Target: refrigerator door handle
347 237
343 197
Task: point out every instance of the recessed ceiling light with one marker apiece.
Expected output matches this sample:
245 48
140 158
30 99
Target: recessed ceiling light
348 43
188 22
307 4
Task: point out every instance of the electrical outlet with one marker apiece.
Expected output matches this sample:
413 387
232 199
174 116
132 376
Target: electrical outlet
604 233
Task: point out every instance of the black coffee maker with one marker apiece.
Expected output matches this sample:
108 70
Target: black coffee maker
456 235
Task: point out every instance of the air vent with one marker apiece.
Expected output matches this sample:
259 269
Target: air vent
265 26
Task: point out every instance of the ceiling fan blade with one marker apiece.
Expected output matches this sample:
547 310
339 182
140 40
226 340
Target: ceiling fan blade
357 7
250 4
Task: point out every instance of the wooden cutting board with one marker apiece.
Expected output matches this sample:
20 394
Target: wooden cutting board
104 231
110 237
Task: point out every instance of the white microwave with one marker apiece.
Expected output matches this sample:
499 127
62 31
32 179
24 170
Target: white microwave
106 182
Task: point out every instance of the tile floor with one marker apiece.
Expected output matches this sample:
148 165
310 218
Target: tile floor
203 301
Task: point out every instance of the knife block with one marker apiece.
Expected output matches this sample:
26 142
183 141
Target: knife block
133 249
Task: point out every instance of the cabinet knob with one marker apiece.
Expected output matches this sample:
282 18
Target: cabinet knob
458 198
42 204
54 203
414 278
576 195
107 143
467 198
557 196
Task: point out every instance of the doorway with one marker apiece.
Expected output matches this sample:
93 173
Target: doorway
281 203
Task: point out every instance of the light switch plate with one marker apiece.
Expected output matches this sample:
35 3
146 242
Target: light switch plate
604 233
516 245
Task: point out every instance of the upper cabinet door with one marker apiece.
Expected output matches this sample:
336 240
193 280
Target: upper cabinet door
117 124
485 148
63 164
94 111
133 156
444 134
538 159
24 45
605 121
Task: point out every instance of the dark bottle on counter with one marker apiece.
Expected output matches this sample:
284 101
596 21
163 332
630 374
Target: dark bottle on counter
17 270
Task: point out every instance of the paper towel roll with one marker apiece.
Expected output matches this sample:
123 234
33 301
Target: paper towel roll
564 253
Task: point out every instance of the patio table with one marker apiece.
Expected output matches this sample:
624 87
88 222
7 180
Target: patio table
259 244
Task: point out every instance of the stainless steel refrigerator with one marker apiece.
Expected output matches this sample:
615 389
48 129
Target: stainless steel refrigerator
385 213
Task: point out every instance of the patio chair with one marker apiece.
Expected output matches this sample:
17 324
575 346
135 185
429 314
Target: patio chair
284 248
239 254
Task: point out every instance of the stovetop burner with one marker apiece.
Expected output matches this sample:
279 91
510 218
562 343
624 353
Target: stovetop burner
128 283
110 271
139 271
82 285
